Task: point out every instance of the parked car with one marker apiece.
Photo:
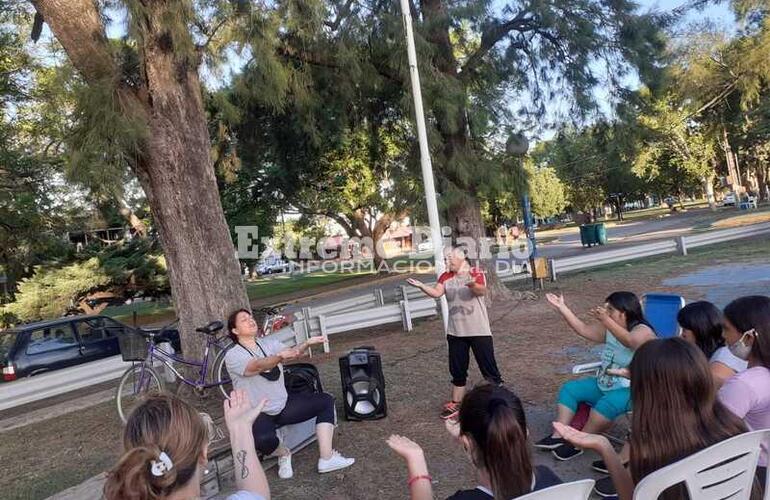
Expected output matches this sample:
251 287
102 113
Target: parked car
273 266
45 346
729 200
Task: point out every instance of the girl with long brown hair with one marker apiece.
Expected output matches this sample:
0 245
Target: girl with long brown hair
166 442
676 413
492 430
747 394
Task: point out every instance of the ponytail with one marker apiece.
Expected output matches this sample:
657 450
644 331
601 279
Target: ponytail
493 418
131 478
165 430
506 454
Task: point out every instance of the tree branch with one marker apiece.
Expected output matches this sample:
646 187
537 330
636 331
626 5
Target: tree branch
343 13
211 35
493 34
77 25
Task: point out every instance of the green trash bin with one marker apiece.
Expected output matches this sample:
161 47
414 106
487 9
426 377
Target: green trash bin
601 233
588 234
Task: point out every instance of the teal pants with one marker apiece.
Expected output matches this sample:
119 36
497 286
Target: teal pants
608 404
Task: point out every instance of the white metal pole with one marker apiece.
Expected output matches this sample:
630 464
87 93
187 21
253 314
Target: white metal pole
425 163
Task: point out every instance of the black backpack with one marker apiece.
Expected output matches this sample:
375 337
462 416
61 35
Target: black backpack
302 377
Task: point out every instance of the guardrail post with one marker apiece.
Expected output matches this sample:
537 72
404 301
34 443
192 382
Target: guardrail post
681 245
406 316
322 322
552 268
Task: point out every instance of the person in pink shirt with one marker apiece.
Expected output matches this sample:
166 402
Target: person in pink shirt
747 335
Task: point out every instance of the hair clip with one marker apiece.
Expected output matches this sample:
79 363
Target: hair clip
162 465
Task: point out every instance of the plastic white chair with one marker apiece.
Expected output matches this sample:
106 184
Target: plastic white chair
579 490
723 471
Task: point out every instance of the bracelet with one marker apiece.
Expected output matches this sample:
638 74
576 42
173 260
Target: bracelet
417 478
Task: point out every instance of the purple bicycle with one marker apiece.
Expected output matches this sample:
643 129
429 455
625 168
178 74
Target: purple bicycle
141 347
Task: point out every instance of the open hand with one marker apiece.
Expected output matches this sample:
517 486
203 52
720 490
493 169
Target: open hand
582 439
238 409
288 354
414 282
452 427
600 313
405 448
556 301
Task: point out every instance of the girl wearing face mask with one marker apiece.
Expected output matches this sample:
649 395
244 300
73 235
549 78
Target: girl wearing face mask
701 324
492 430
747 335
256 366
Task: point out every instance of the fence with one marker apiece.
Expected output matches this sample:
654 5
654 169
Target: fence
678 245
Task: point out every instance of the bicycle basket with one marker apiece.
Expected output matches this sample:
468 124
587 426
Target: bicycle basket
133 346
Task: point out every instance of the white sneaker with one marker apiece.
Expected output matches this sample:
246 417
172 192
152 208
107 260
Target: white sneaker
335 462
284 467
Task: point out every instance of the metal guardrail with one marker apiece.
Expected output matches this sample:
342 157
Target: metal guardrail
680 245
58 382
708 238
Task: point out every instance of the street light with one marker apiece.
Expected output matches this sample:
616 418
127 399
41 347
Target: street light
518 145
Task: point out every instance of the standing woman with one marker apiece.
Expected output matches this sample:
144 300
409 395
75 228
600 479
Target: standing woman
464 287
255 366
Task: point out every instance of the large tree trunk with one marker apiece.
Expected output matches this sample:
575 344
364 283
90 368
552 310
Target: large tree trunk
174 167
178 178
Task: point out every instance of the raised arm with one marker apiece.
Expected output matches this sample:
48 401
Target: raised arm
632 339
239 417
432 291
419 481
593 332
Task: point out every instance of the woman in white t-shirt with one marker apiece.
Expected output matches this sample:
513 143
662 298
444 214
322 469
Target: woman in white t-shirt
256 366
702 325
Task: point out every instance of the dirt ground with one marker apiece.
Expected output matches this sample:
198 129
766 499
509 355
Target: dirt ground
534 349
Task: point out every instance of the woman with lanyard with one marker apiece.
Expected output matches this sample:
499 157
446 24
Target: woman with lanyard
255 365
464 287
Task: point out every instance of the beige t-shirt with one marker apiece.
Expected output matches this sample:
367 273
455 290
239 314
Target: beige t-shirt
467 312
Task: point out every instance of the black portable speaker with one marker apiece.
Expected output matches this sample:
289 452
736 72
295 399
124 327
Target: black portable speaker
363 385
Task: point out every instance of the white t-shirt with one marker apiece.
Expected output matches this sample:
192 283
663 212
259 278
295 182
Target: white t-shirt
730 360
257 386
245 495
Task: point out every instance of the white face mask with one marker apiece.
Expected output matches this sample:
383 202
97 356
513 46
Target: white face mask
741 349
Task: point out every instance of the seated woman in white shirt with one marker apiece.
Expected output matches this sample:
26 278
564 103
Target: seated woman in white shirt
702 324
256 366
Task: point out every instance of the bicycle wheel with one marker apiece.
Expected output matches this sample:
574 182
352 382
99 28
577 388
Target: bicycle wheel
138 380
221 377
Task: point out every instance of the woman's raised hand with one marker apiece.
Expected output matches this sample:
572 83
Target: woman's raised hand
405 447
414 282
556 301
238 409
582 439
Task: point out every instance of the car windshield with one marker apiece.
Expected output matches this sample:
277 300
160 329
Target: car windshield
7 340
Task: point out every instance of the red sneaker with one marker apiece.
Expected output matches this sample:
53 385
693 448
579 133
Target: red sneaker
450 410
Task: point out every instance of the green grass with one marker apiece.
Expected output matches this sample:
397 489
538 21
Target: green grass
280 285
155 312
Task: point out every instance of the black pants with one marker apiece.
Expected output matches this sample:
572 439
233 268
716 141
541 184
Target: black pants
299 407
459 357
